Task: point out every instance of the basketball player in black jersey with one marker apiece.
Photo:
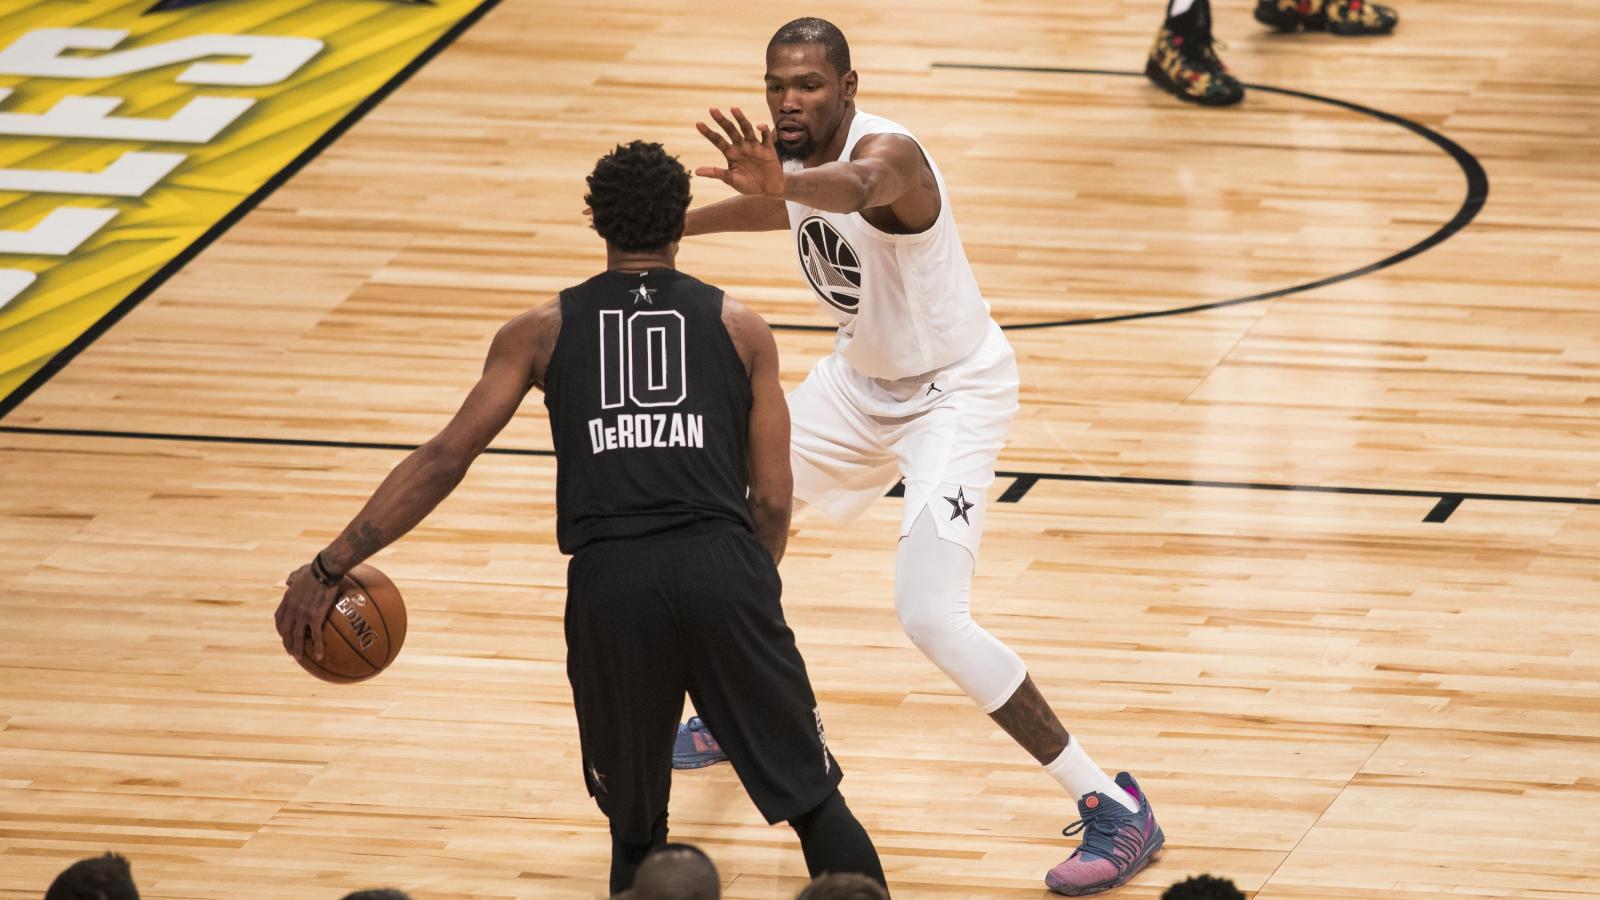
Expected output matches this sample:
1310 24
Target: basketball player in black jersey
673 497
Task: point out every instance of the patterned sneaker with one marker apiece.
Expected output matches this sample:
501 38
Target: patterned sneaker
1345 17
695 747
1116 843
1184 63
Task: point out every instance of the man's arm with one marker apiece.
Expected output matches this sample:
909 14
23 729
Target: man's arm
771 480
425 477
883 170
737 214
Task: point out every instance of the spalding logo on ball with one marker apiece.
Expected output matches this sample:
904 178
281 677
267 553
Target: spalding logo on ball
363 631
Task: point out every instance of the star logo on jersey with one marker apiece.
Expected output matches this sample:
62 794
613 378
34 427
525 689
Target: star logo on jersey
959 504
169 5
831 265
933 386
642 294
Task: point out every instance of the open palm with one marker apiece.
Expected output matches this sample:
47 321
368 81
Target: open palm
753 166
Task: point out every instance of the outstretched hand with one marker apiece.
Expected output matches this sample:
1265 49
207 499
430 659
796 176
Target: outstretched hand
753 166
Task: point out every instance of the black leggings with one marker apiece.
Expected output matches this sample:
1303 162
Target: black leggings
830 837
627 858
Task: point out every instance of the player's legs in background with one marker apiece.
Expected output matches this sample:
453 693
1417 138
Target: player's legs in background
1349 18
1184 62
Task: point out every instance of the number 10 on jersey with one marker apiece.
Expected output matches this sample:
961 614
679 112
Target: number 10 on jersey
642 358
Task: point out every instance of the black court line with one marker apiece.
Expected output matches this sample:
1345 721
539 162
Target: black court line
249 441
1021 482
1448 501
1477 195
1444 508
82 342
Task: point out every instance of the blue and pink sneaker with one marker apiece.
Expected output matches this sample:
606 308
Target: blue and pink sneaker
695 748
1116 843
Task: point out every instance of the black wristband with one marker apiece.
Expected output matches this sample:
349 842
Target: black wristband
320 572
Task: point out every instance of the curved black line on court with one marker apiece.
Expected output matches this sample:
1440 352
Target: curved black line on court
1477 194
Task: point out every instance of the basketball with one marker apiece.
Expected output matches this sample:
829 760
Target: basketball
363 631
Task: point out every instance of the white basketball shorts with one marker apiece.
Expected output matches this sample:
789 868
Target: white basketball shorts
853 436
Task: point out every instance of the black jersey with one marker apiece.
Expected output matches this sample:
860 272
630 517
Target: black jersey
649 408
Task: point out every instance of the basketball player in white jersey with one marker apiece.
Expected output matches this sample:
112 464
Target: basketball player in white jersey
921 385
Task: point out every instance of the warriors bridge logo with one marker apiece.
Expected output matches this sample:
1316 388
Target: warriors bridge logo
134 132
830 264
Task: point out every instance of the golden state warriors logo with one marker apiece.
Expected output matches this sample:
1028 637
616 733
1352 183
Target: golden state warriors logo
831 265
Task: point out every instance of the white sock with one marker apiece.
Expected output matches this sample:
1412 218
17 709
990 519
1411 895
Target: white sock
1179 7
1080 776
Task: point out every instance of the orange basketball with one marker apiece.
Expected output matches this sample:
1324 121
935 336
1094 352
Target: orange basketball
363 631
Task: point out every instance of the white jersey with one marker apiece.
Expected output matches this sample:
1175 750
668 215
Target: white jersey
906 304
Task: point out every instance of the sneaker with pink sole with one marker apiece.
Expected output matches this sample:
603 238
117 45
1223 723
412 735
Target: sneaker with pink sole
1117 844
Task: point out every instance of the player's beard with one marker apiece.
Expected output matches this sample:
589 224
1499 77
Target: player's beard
801 151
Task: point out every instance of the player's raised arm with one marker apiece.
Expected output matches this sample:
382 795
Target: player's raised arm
883 169
771 478
742 213
424 478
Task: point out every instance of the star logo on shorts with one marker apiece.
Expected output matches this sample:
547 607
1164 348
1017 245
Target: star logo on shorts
598 779
642 295
934 386
959 504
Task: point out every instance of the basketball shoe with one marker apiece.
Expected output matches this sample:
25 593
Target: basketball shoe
1116 843
695 748
1345 17
1184 61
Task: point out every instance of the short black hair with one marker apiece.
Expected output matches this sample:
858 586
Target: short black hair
812 30
843 886
379 894
676 845
1203 887
639 195
677 872
107 877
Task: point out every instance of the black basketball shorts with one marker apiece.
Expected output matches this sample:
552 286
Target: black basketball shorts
694 611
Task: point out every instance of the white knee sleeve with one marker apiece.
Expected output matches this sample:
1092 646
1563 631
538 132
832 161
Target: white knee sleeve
933 597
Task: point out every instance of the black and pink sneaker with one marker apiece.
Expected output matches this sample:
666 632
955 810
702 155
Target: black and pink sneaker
1117 844
695 748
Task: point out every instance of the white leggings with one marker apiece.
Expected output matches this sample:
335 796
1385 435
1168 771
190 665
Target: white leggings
933 597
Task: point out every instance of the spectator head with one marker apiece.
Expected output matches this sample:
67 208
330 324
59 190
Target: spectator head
844 886
379 894
677 872
107 877
1203 887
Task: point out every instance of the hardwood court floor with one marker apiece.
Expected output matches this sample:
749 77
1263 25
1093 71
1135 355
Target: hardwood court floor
1327 696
